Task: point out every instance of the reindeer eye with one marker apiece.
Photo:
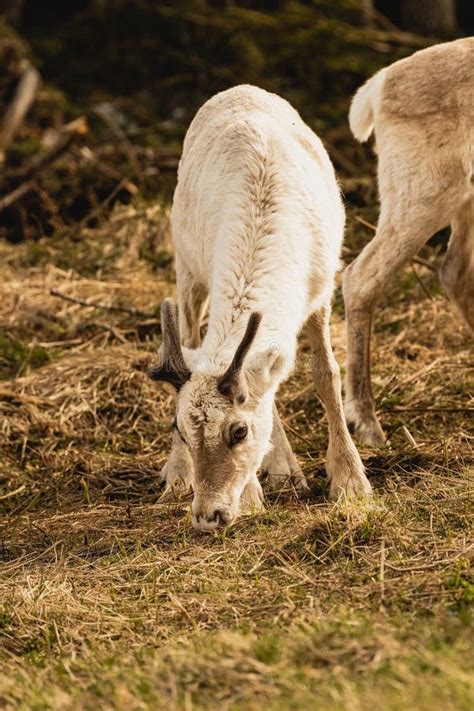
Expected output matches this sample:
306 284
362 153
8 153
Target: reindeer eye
238 432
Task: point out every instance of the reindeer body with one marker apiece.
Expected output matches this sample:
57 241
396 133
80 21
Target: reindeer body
257 225
257 220
422 112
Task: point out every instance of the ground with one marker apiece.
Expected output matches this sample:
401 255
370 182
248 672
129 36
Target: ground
109 599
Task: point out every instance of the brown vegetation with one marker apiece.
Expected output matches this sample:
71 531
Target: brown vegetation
108 598
96 567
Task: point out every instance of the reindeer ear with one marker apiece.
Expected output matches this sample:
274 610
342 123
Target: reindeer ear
171 366
264 371
232 384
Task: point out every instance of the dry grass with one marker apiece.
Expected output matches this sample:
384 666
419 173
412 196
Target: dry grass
106 594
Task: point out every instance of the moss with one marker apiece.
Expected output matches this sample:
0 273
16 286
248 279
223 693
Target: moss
23 148
190 50
267 648
34 254
16 356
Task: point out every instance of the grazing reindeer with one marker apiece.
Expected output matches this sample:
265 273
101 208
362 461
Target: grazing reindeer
257 226
422 111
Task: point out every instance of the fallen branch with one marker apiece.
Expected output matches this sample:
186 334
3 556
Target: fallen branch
99 305
123 185
24 97
65 137
85 153
16 194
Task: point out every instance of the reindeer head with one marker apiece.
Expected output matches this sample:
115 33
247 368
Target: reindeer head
225 419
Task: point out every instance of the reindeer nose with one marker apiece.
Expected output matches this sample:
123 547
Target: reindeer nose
219 517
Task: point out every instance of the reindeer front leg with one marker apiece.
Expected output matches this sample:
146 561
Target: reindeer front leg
178 472
280 464
343 464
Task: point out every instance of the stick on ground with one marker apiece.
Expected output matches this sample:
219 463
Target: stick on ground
24 97
25 182
97 305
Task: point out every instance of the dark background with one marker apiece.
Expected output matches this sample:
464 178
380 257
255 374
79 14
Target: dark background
139 69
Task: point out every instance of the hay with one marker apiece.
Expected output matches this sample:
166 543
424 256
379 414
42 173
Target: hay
92 557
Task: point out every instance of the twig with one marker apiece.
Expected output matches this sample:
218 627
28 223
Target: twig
24 96
68 133
409 437
16 194
13 493
122 136
85 153
383 21
382 572
405 39
293 416
428 409
364 222
300 436
100 208
167 161
420 282
177 602
115 333
424 263
98 305
427 566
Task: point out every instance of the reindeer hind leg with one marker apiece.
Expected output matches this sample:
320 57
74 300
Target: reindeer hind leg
457 271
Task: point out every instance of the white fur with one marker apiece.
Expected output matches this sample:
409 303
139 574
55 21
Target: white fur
257 225
281 261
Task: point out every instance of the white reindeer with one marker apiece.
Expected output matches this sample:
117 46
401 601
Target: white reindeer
257 226
422 111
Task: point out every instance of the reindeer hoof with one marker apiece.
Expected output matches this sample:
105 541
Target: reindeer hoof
282 471
346 474
370 433
353 487
365 428
252 499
